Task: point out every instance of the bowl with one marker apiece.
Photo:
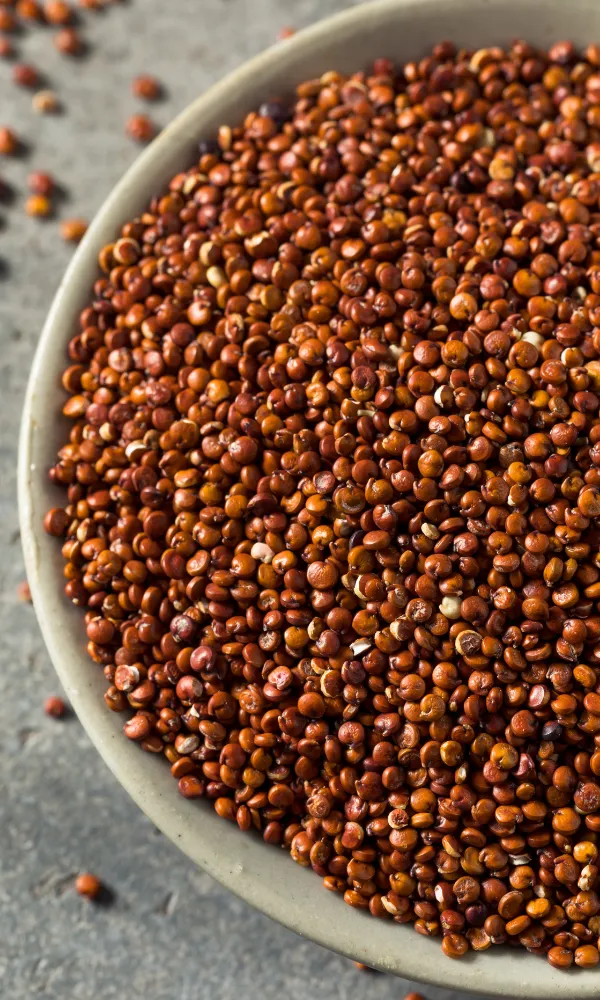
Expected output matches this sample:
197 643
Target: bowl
264 877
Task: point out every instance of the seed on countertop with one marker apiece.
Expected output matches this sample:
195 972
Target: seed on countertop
58 12
73 230
146 87
25 76
45 102
24 592
41 183
88 885
55 707
8 141
30 10
38 206
69 42
140 128
7 50
8 21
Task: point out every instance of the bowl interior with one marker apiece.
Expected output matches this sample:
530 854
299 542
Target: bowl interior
266 878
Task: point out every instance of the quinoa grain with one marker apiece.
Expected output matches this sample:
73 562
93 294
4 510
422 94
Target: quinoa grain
25 76
39 206
88 885
146 87
55 707
45 102
73 230
140 128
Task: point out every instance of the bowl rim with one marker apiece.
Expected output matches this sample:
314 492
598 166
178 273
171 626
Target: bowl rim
316 921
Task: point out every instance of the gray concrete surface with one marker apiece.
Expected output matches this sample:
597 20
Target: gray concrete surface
171 933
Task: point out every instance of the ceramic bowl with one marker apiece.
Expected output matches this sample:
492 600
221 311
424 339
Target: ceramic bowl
263 876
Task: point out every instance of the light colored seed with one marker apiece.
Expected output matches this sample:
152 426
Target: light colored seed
360 646
323 682
45 102
262 552
479 59
534 338
315 627
216 277
205 252
450 606
396 628
135 449
225 137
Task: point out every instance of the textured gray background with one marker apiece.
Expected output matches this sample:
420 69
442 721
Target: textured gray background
171 932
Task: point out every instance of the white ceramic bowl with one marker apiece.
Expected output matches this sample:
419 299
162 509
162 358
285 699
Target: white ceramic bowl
263 876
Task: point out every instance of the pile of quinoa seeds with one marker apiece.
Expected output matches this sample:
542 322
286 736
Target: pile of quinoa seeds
332 488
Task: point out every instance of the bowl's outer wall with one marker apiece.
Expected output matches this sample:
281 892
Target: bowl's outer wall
264 877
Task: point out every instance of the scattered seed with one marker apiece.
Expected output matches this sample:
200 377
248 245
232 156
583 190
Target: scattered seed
40 183
8 142
69 42
73 230
30 10
146 87
25 76
38 206
88 885
140 128
7 50
55 707
45 102
23 591
8 21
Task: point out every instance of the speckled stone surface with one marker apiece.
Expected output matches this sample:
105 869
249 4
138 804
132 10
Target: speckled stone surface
169 932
